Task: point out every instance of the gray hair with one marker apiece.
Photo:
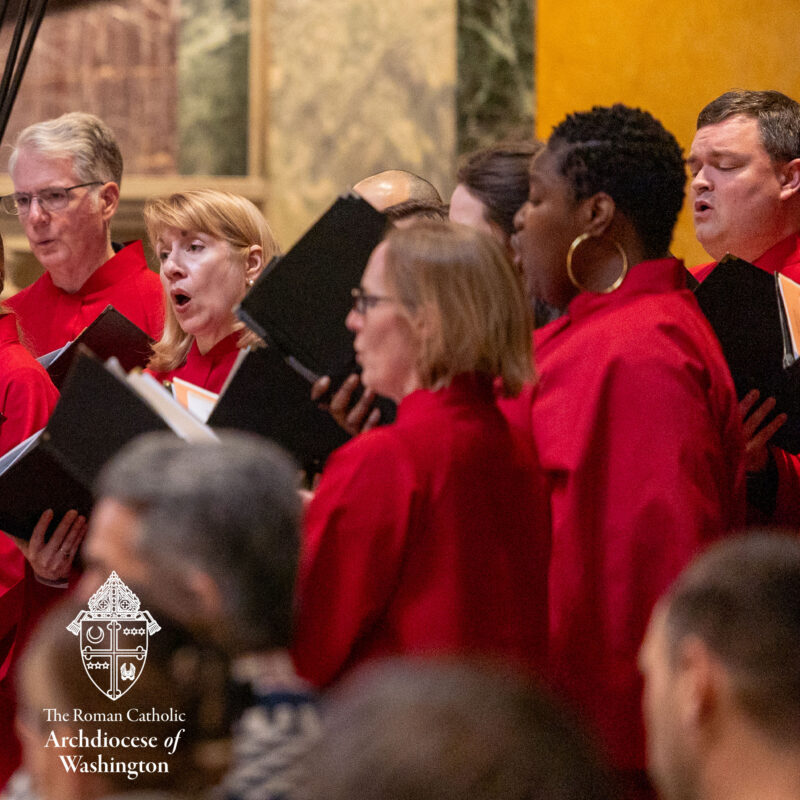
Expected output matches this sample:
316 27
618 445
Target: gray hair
83 137
230 509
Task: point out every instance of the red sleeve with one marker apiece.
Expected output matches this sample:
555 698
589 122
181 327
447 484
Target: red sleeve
26 401
354 536
644 479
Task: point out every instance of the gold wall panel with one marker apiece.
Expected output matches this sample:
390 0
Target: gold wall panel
667 56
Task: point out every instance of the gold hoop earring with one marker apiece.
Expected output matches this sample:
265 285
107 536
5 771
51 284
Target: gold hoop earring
576 243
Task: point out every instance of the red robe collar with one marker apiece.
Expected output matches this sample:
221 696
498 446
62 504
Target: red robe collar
647 277
783 257
122 265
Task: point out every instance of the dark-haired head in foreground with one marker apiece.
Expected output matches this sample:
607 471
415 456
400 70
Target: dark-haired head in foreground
721 662
612 173
416 730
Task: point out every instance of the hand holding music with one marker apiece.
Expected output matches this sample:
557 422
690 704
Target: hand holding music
756 441
52 560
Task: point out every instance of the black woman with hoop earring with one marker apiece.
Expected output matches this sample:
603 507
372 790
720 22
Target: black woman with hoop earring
634 414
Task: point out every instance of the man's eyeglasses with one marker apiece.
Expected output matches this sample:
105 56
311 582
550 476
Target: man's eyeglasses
54 198
363 301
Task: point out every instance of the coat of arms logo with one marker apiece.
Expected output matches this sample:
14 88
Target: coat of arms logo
114 636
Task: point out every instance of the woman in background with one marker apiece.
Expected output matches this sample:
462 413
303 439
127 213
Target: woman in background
430 535
492 187
211 246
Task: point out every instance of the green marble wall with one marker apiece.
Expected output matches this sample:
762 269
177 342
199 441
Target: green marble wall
495 71
356 86
213 79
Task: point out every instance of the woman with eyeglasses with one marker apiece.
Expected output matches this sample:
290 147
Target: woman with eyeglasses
430 535
211 246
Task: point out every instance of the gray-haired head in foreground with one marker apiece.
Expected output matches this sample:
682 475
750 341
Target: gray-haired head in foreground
84 138
229 509
445 730
742 599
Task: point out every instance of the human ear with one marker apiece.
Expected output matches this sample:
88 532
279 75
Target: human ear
598 211
109 200
254 263
790 178
205 594
698 688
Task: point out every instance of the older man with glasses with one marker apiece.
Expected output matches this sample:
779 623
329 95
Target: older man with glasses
67 173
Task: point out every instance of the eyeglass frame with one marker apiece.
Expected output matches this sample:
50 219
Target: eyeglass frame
11 199
362 301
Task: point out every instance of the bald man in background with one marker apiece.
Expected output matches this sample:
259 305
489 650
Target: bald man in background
393 186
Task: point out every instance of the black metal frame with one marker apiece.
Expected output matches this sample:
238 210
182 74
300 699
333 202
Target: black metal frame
17 61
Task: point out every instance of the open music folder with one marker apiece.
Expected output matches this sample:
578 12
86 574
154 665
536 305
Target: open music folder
300 302
101 408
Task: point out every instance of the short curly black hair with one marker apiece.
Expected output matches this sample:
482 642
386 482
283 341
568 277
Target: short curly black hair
628 154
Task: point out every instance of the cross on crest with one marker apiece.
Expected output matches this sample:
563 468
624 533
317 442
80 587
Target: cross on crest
114 635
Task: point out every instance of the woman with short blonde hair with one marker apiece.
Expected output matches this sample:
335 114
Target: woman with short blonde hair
211 246
430 535
477 323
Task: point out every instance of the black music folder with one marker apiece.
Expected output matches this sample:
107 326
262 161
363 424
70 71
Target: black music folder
755 315
99 411
111 334
269 397
299 303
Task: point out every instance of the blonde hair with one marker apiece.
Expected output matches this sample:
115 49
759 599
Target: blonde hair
224 216
458 284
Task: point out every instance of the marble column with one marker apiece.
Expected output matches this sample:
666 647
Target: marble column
356 86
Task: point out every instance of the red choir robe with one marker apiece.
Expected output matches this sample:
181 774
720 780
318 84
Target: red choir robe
427 536
784 257
636 422
207 370
27 397
51 317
